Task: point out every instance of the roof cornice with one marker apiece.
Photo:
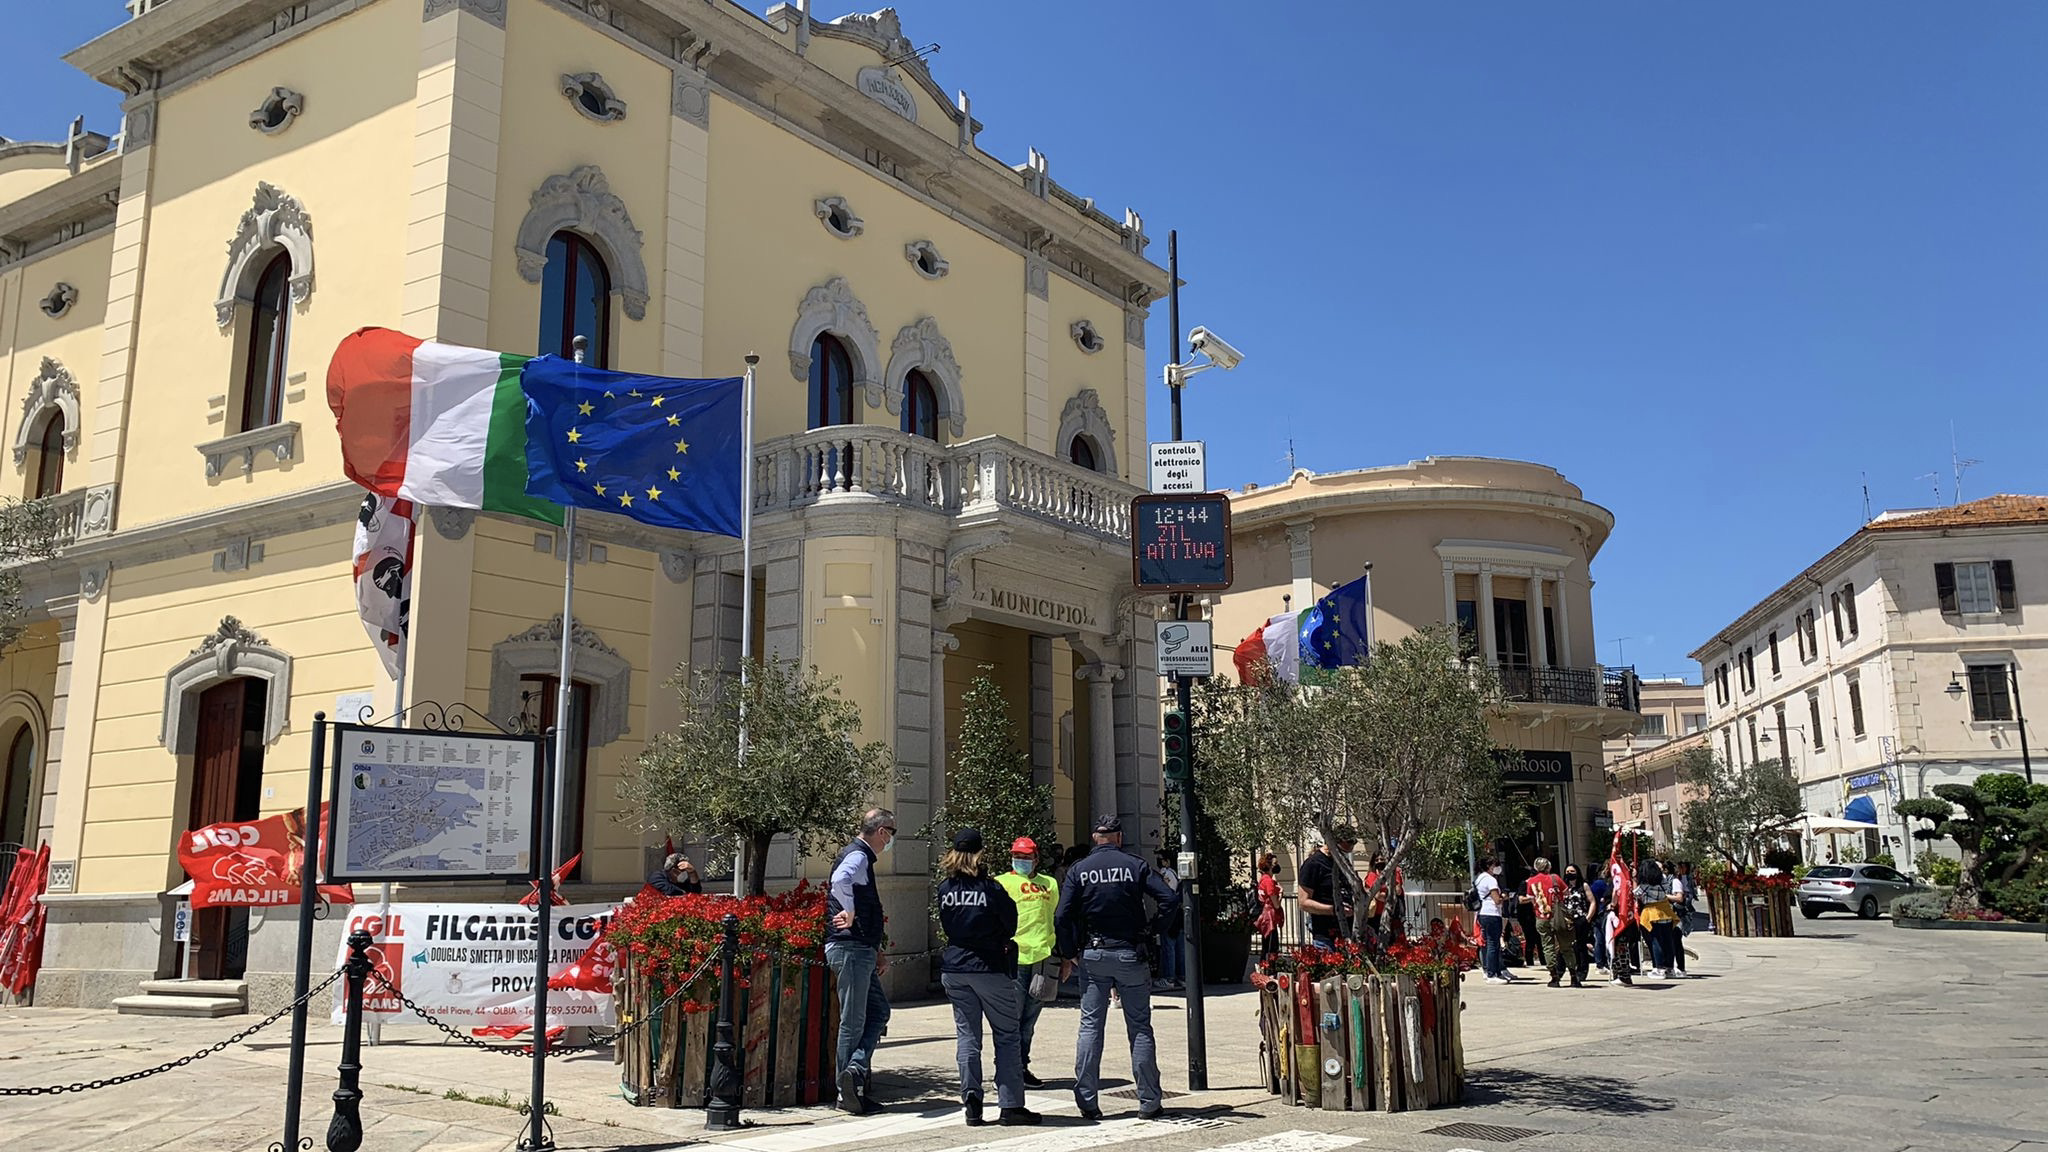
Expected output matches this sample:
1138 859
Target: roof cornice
1596 522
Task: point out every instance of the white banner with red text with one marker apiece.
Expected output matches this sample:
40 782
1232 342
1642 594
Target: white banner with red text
472 965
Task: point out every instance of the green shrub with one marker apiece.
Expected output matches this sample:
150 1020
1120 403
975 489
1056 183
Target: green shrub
1942 871
1886 859
1921 905
1783 859
2019 899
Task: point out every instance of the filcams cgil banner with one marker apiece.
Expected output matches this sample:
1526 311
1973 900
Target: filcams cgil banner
471 965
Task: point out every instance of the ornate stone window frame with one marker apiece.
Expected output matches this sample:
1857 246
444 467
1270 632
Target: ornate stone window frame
832 307
280 440
274 220
62 296
52 391
838 217
585 89
1083 416
924 257
538 652
920 346
230 651
277 111
1086 338
581 201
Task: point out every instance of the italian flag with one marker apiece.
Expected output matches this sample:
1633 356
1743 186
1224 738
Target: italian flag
437 424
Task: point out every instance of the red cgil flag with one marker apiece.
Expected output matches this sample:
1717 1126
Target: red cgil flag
383 574
253 864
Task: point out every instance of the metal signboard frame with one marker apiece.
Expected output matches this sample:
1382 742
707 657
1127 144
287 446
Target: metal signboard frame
1216 504
347 745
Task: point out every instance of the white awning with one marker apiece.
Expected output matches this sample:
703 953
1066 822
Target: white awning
1830 825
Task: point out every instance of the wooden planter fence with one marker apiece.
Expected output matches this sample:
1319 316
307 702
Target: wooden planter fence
1751 911
785 1024
1363 1043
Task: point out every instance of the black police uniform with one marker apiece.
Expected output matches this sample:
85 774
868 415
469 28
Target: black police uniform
1101 922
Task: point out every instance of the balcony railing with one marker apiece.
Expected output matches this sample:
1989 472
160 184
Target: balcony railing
67 511
1594 687
986 475
142 7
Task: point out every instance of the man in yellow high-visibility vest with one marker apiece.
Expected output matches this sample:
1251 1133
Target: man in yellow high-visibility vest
1037 896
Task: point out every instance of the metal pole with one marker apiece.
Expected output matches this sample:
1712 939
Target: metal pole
2019 712
564 686
345 1130
536 1139
722 1111
302 971
1191 885
746 577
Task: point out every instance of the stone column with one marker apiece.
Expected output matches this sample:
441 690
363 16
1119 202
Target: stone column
1450 596
1564 622
942 643
1301 553
1537 648
1038 420
43 811
1041 710
683 264
1486 645
1102 766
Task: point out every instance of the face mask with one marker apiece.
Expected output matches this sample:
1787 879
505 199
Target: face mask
1023 866
1495 869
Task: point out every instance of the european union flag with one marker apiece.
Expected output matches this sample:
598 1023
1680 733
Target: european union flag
665 452
1337 632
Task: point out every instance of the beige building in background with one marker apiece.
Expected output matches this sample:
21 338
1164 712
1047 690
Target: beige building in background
1642 782
1900 660
951 408
1504 549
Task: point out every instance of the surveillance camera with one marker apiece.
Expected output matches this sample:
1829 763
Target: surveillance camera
1215 348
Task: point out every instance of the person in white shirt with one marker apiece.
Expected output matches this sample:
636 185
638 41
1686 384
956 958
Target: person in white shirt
1493 900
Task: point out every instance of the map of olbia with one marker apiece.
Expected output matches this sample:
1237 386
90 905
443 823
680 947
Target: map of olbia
434 805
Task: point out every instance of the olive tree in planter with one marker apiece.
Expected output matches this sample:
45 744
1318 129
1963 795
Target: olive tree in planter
990 785
806 775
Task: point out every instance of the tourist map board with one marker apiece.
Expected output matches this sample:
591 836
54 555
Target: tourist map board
431 806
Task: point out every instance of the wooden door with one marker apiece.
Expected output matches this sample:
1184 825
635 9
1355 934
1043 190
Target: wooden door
216 767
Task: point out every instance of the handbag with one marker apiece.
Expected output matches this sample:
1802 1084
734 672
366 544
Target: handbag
1045 981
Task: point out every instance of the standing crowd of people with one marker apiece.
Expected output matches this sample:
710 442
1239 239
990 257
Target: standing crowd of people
1012 940
1578 921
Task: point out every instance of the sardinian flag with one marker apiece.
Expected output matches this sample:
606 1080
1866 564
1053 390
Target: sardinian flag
383 573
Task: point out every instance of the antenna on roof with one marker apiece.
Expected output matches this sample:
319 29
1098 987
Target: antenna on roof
907 57
1866 496
1936 477
1956 461
1290 455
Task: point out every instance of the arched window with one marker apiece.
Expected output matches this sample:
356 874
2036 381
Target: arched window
920 405
576 300
831 383
50 457
14 788
1081 452
270 322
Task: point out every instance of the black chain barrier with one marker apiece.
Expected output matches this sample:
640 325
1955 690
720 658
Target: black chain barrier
526 1050
180 1062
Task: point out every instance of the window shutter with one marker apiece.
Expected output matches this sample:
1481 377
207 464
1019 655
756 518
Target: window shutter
1849 604
2008 593
1835 610
1945 586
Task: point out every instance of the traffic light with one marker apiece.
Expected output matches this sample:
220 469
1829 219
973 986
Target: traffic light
1173 740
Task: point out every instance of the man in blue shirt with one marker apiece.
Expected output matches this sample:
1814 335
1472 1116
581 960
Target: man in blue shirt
853 950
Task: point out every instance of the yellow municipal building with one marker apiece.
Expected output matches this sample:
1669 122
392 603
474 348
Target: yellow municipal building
944 455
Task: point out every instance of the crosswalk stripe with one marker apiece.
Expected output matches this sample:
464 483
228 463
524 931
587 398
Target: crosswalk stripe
1079 1139
1293 1141
879 1129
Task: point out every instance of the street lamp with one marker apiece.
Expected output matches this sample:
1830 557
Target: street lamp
1955 690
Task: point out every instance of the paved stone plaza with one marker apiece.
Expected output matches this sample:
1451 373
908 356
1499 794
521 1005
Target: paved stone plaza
1855 1037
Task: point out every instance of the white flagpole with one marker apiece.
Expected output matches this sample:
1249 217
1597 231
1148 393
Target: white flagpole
564 686
746 576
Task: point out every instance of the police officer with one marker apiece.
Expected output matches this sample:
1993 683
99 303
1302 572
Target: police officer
979 972
1101 920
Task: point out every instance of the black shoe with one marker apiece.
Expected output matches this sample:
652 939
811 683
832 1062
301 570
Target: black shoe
1154 1114
1031 1081
1553 981
973 1101
1019 1117
1091 1114
850 1091
1578 983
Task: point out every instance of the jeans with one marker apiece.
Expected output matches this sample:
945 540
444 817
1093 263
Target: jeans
1170 959
1121 969
1665 946
1489 956
1028 1008
975 995
863 1006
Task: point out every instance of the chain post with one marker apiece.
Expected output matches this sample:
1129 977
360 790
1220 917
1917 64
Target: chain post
722 1114
345 1131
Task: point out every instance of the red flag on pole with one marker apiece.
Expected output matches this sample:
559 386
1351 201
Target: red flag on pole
532 898
252 864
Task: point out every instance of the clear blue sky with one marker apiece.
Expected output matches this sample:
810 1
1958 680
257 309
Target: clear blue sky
1714 262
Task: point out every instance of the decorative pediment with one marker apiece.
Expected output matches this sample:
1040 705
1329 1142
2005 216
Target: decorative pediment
920 346
581 201
1083 416
536 651
274 220
230 651
53 390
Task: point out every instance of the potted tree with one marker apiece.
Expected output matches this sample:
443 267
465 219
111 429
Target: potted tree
1733 820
